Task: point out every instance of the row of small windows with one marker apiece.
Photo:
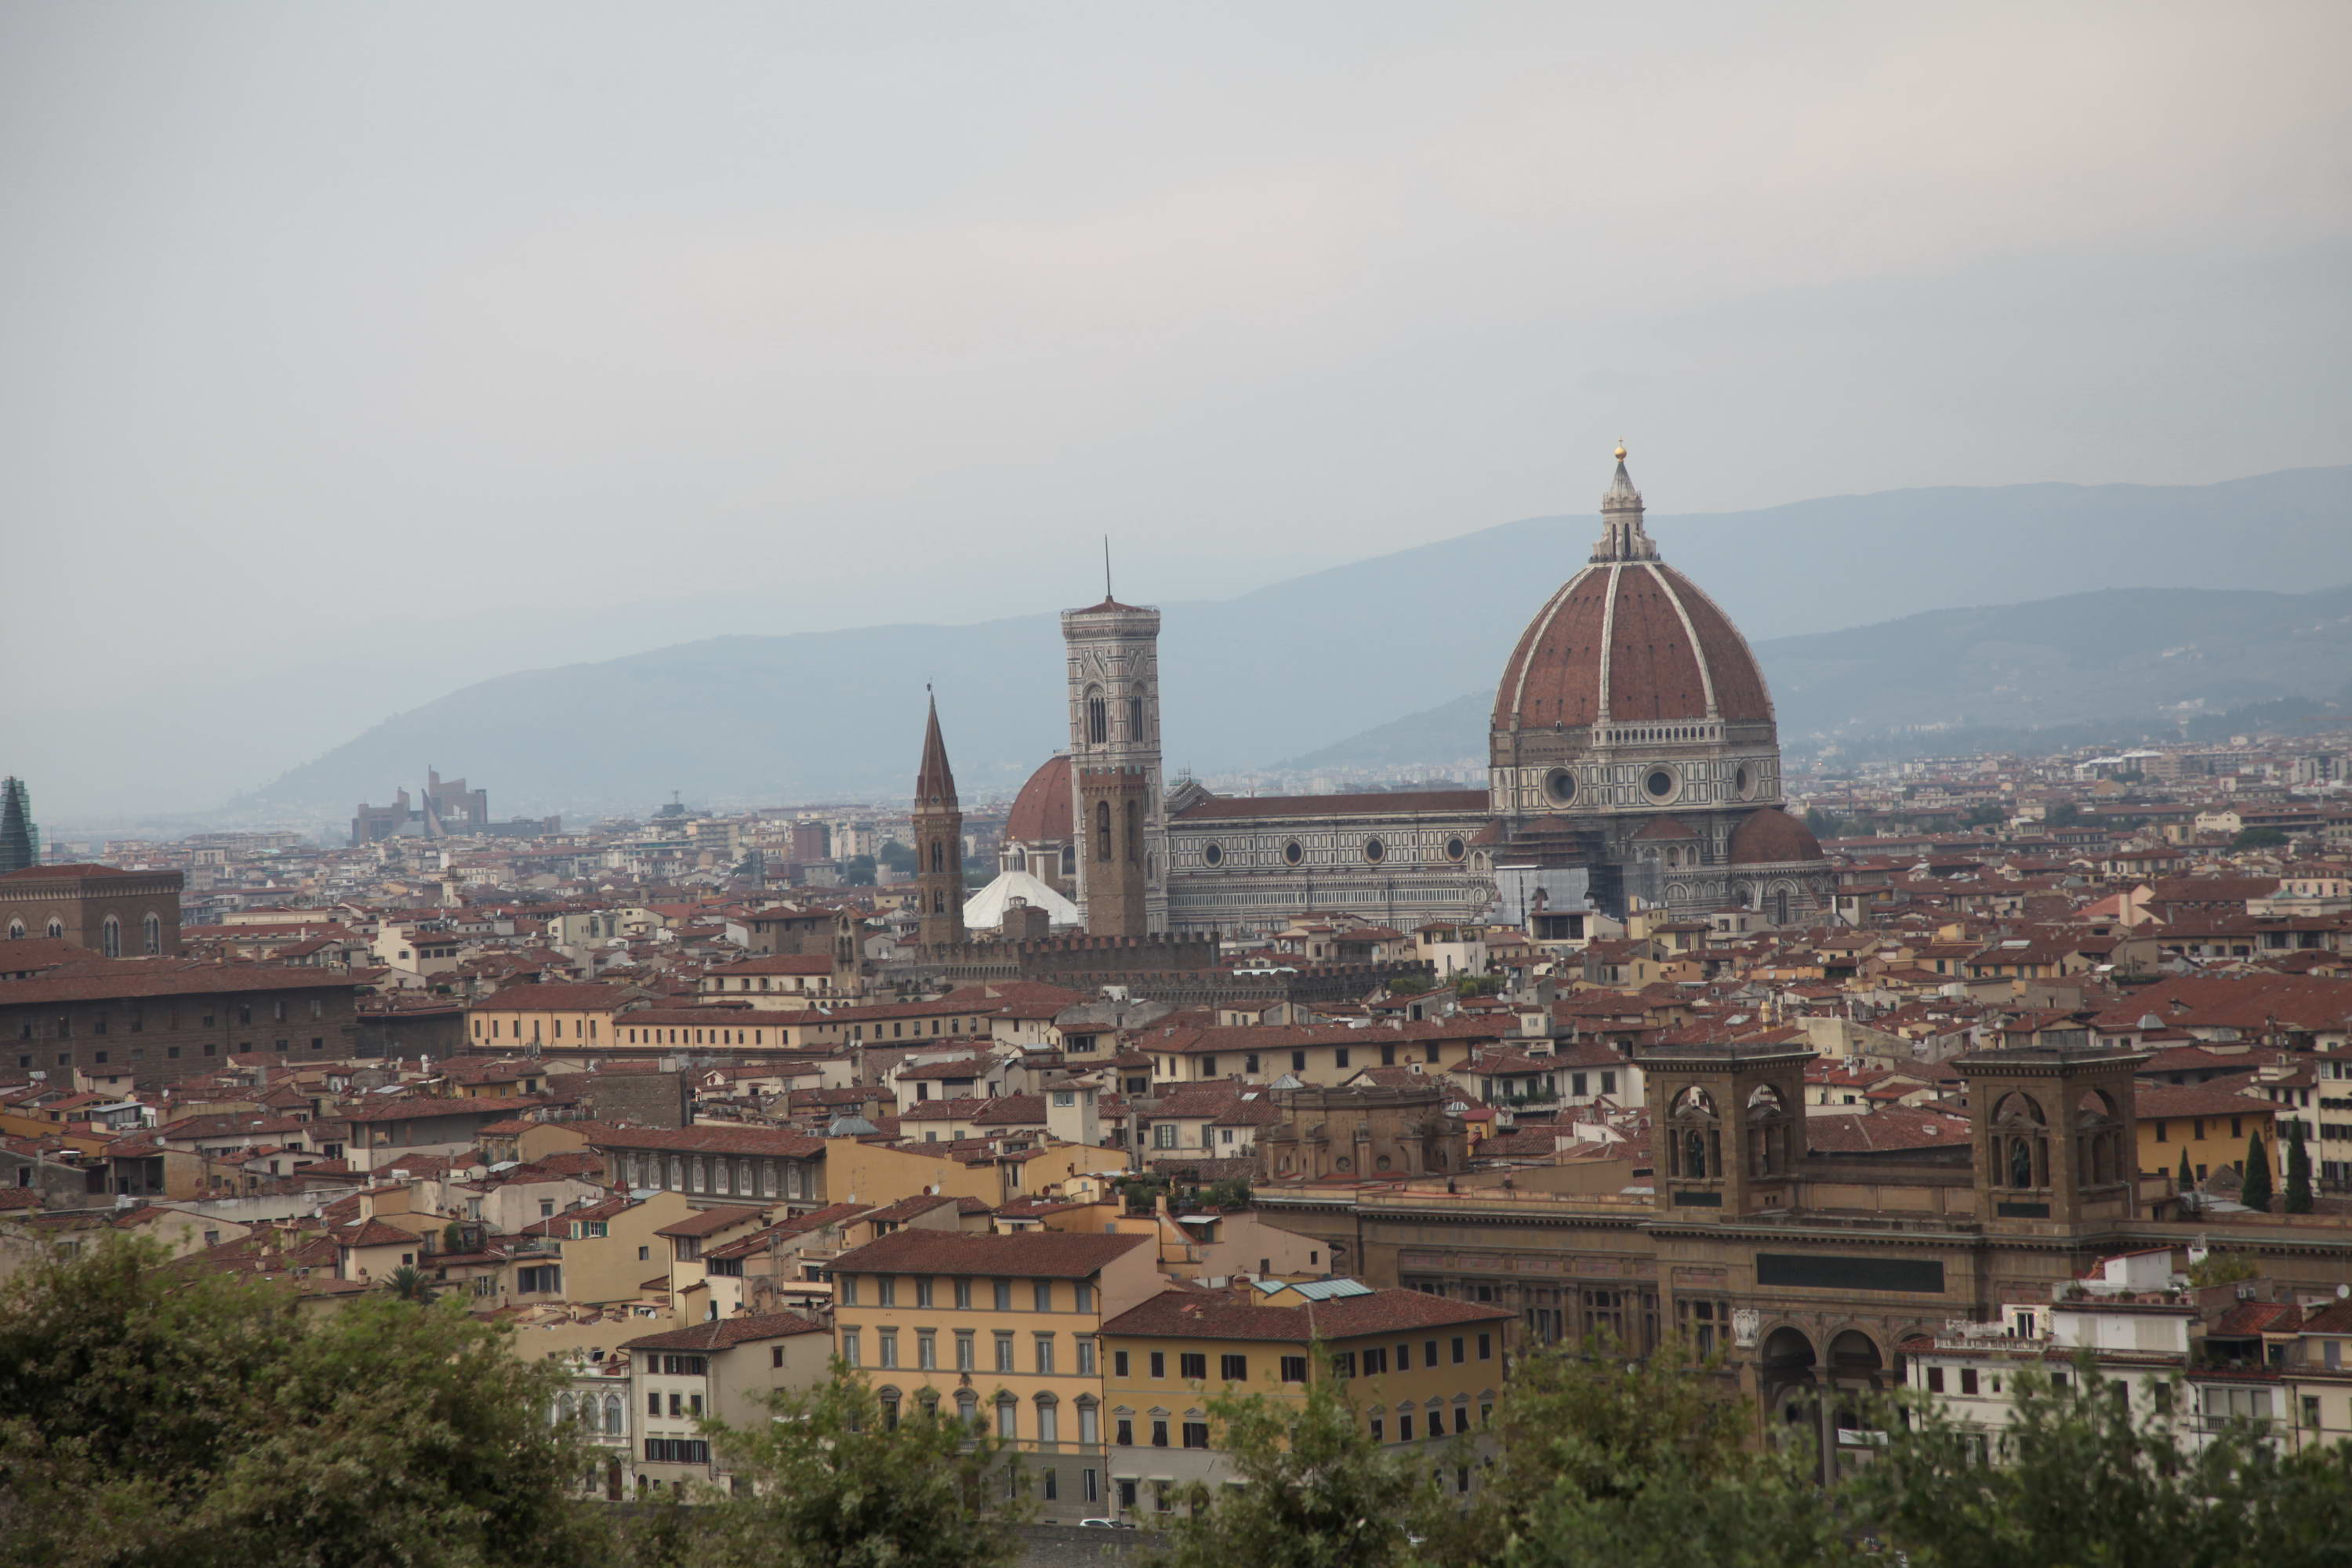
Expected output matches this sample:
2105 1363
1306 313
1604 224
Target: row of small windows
101 1020
171 1053
1662 784
885 1292
966 1348
109 933
1374 850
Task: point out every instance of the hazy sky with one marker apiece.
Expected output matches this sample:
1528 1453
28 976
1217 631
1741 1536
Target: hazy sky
321 324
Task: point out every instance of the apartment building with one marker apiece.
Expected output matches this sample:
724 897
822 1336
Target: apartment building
1001 1329
722 1371
1420 1369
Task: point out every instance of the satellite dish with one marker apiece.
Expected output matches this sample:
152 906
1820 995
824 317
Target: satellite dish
2342 1291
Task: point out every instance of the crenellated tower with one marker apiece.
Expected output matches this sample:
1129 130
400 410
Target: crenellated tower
1120 820
939 842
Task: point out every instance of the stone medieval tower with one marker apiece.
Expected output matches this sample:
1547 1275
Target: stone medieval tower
1117 807
939 842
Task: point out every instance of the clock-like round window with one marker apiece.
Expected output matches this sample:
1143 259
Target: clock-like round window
1559 786
1660 783
1291 854
1214 854
1456 849
1375 851
1744 781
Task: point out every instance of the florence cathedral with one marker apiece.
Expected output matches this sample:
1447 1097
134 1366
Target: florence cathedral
1632 762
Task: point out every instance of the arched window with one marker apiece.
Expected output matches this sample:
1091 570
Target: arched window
1695 1144
110 938
1134 716
2021 1144
1049 1419
611 1415
153 931
1781 906
1768 1132
57 927
1097 717
938 856
1102 830
15 930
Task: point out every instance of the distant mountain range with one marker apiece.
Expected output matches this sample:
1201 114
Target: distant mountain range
2117 665
1318 669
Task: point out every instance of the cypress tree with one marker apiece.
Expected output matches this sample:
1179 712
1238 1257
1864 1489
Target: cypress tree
2298 1170
2188 1178
2255 1190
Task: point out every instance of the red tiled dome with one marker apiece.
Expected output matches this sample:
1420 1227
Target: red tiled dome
1668 647
1040 811
1772 837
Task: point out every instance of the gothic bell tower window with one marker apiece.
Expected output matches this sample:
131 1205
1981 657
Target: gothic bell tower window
1695 1151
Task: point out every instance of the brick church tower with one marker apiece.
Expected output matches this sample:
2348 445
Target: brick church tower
939 842
1119 814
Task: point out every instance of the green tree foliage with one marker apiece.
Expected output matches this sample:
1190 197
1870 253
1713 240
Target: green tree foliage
1234 1193
154 1414
2086 1475
1317 1492
830 1483
858 871
896 857
1467 986
2065 814
1606 1461
2223 1268
2258 838
2254 1190
409 1283
2298 1170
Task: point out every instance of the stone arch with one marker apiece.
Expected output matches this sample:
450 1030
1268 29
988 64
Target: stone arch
1770 1133
2020 1143
151 931
1855 1352
1694 1135
2100 1154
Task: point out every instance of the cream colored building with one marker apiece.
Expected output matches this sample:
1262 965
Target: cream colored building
1004 1329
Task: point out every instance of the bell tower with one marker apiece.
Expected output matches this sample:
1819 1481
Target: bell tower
939 842
1727 1126
2055 1135
1119 816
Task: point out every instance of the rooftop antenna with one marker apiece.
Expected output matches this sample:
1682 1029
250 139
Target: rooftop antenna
1107 593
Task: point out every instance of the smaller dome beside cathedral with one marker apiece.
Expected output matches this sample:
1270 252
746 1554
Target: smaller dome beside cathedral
1772 837
1040 811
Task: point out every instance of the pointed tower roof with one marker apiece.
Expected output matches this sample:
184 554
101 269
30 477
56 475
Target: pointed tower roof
934 783
18 848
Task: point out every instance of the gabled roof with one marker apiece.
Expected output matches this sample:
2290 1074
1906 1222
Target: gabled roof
723 1333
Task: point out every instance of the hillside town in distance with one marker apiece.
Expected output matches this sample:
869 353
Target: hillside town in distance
1066 1112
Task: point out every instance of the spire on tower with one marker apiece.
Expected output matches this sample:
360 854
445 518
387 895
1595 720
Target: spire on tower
935 782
